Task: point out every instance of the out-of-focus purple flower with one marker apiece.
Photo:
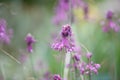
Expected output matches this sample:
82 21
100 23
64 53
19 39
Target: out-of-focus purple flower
82 68
109 15
57 77
85 10
62 10
88 68
5 34
65 42
97 66
92 67
110 24
59 17
29 41
89 55
77 57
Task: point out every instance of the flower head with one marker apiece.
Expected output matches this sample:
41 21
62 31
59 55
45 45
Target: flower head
85 10
89 55
5 34
29 41
65 42
77 57
109 15
110 24
56 77
62 10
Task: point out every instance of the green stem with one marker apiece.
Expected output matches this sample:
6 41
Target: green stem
90 76
3 71
66 69
13 58
31 63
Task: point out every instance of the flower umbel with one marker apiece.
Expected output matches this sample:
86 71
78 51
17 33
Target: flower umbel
29 41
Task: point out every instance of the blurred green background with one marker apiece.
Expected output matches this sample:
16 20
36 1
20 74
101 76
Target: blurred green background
35 17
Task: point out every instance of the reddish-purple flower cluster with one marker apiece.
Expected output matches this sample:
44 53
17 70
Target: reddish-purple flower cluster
5 34
86 68
89 68
56 77
110 24
65 42
29 41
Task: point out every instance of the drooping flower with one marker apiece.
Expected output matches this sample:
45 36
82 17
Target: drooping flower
66 41
57 77
110 24
29 41
5 34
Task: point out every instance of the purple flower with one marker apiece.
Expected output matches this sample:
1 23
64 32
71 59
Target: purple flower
109 15
5 34
62 10
29 41
59 17
110 24
89 55
77 57
65 42
56 77
82 68
97 66
92 67
85 10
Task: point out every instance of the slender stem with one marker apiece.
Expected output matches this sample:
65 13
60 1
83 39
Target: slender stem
13 58
31 63
3 71
23 68
90 77
76 72
68 55
66 69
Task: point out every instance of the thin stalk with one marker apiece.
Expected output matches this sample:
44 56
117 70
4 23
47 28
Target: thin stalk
23 68
32 68
76 72
66 69
68 55
3 71
90 77
13 58
114 56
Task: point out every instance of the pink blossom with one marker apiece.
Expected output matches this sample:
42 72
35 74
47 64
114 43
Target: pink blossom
29 41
